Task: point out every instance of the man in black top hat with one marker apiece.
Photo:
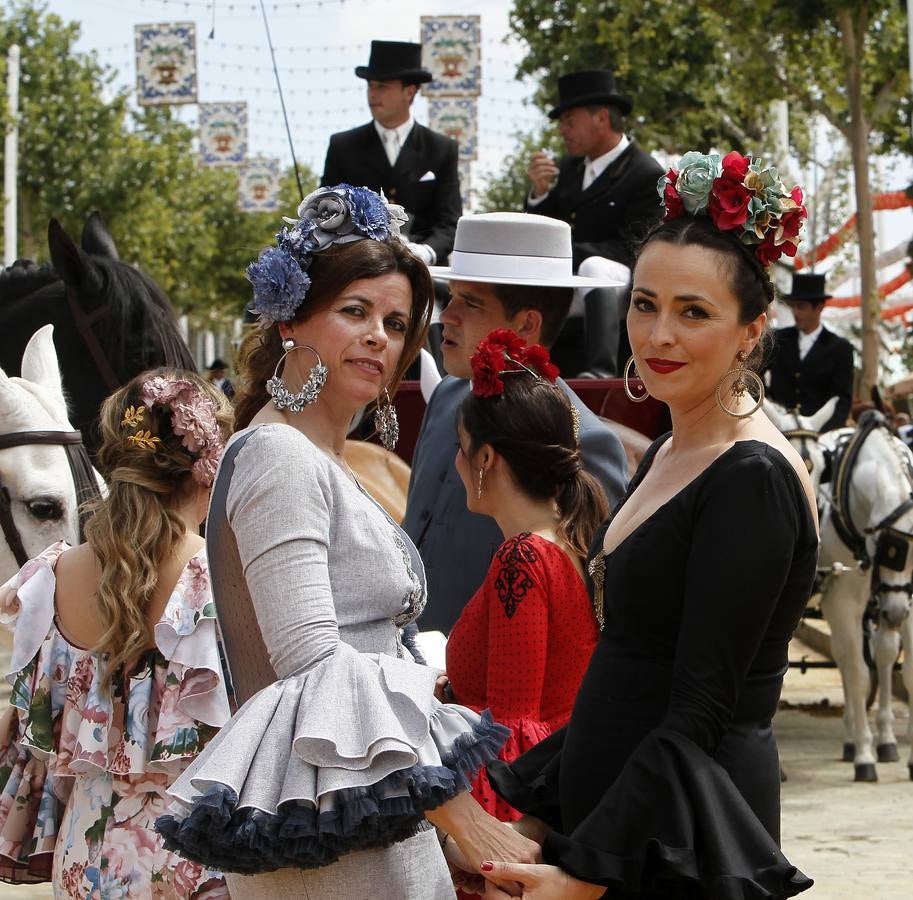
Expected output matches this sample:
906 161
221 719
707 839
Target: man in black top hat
809 363
414 166
605 190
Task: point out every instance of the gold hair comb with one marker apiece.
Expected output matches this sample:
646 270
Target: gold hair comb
133 415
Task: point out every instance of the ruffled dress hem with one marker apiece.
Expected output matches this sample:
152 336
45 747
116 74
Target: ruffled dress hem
672 824
220 832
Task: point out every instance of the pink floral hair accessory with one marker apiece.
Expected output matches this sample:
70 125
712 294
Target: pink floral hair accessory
193 418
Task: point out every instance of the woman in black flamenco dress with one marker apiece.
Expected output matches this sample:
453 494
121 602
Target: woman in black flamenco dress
665 782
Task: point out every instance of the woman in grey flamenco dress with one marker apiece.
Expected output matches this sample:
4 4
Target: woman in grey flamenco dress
325 782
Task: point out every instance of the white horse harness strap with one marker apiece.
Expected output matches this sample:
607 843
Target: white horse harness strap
80 468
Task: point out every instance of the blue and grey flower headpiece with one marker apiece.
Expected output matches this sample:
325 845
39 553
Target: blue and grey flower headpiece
331 215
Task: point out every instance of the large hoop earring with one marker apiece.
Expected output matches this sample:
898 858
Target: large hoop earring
386 423
740 387
283 398
634 398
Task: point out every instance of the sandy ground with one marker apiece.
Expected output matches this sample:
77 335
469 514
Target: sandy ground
855 840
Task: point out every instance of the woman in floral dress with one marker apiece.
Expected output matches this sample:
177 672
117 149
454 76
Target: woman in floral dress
116 676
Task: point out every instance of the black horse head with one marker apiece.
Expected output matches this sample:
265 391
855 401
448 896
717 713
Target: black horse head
90 297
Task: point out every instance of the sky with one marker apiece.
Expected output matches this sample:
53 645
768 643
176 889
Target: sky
318 43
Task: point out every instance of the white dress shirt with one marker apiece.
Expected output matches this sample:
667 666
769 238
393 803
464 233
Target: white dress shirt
806 341
394 138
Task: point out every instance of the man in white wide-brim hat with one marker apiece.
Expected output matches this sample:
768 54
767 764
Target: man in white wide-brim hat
508 270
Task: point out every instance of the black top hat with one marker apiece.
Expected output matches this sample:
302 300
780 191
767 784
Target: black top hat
217 363
592 87
807 287
395 61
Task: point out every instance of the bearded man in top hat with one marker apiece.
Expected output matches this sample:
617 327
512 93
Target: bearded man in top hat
809 363
413 166
606 191
508 270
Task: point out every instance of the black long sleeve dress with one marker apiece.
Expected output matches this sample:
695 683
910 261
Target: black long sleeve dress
665 782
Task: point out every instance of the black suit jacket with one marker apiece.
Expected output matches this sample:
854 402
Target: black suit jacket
611 216
357 157
808 384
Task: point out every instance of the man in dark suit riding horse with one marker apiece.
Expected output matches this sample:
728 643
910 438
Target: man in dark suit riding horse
811 364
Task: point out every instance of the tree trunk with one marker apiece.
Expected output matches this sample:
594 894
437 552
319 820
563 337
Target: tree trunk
852 31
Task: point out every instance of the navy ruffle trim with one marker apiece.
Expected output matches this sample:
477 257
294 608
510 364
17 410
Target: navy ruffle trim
220 836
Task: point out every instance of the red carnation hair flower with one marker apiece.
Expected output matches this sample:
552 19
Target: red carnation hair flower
504 352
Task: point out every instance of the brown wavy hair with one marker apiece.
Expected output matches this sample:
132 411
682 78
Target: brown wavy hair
531 426
331 272
136 526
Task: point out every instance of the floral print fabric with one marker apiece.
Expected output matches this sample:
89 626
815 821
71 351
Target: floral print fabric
85 765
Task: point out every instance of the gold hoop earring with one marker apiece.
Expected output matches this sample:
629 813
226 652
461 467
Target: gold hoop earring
740 387
634 398
481 477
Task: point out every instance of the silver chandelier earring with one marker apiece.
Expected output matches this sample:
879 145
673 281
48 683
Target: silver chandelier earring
740 387
386 423
283 398
634 398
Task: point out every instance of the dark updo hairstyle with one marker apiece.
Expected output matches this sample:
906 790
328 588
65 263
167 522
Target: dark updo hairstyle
137 526
748 279
531 426
331 271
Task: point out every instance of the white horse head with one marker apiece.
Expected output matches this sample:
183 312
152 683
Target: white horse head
803 432
37 477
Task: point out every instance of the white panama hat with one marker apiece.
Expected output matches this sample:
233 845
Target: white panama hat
516 248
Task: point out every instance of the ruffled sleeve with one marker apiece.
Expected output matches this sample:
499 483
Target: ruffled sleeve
66 720
346 750
672 817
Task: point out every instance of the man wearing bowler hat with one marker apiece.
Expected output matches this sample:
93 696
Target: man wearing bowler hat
811 364
605 190
508 270
414 166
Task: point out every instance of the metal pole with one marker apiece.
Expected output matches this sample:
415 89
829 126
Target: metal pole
11 157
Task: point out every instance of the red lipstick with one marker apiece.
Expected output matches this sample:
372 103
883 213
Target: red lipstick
663 366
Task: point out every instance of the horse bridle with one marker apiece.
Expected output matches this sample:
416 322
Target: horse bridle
804 435
80 468
892 544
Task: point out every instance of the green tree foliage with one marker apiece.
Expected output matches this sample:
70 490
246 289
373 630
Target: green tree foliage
83 146
702 74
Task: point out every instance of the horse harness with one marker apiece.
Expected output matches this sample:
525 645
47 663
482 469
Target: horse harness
80 467
84 325
892 545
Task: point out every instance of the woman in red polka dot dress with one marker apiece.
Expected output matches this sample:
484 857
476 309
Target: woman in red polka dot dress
523 641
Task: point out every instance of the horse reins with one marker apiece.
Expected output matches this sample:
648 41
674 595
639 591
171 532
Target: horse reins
80 468
84 324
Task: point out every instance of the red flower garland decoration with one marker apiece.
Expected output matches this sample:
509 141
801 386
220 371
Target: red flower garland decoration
503 352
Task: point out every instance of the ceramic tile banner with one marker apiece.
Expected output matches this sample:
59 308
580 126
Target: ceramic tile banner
166 63
258 185
457 118
223 133
451 51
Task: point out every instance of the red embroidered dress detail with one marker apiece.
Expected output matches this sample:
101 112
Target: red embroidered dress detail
521 647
